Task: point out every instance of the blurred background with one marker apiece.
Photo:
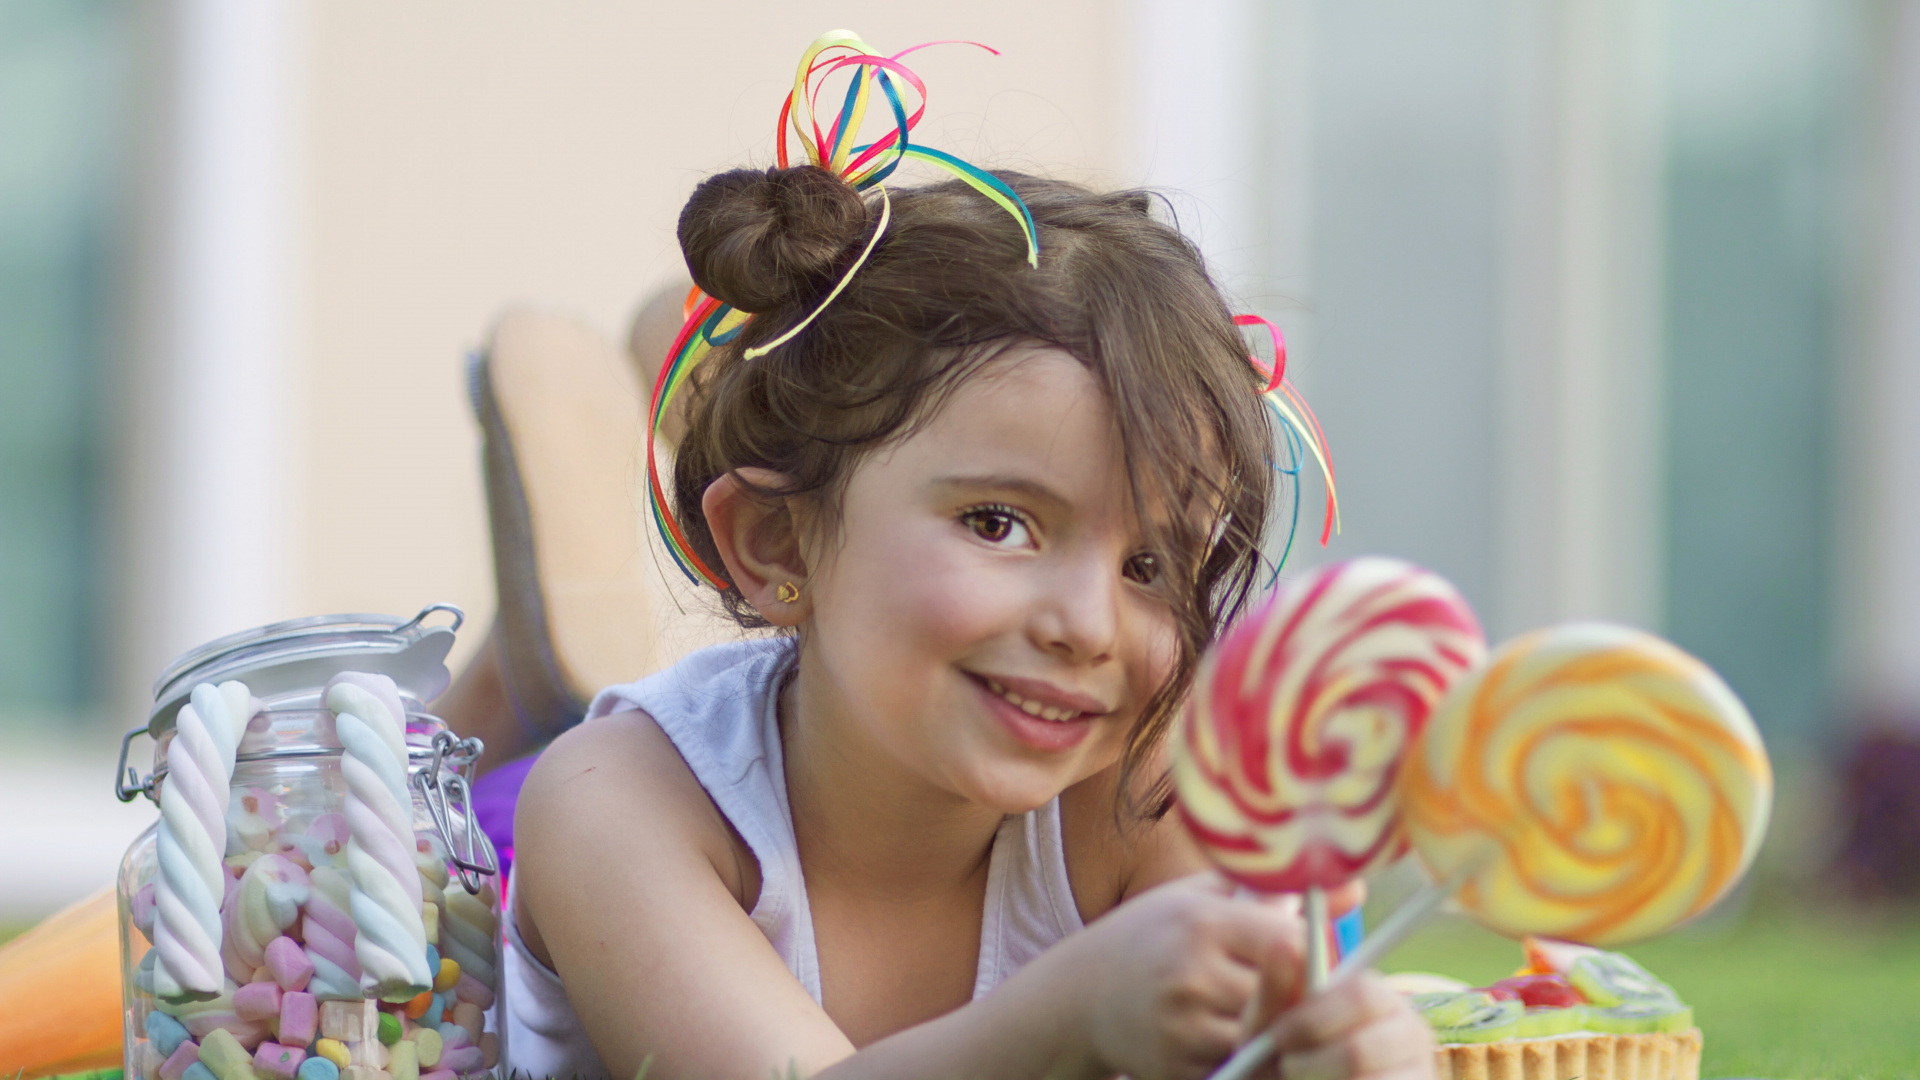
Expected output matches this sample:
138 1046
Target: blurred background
1610 308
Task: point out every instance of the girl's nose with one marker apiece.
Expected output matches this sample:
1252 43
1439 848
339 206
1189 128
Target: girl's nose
1079 617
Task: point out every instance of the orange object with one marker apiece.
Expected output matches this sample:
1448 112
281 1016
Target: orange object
418 1007
60 993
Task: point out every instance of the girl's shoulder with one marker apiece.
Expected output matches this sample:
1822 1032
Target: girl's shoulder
1112 853
618 788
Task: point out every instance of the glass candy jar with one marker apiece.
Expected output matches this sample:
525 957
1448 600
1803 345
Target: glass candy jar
340 919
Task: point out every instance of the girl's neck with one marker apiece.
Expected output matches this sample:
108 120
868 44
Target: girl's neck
862 818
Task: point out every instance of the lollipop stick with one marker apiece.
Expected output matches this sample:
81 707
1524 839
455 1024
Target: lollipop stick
1394 929
1318 926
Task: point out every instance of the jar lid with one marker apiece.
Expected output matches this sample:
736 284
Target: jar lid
302 654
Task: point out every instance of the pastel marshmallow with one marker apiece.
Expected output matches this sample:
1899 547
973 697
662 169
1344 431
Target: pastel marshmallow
222 1053
472 990
299 1018
148 1060
469 1016
438 1074
452 1035
143 908
466 1059
257 1001
490 1049
197 1071
288 962
333 1050
346 1021
366 1072
185 1054
427 1045
318 1068
276 1061
166 1032
403 1061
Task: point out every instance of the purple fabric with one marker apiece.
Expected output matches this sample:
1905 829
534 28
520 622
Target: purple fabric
494 797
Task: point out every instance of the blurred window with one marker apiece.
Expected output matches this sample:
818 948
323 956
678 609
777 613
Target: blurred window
62 137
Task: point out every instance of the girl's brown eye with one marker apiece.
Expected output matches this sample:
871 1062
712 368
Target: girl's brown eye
996 526
1142 568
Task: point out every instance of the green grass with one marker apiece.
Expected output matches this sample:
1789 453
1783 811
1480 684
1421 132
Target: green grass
1782 993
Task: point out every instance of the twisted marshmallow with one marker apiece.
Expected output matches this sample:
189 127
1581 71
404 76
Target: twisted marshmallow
328 935
193 838
266 905
391 943
1595 784
1287 754
469 931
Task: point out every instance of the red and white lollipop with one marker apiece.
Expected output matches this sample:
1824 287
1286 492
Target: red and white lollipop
1286 757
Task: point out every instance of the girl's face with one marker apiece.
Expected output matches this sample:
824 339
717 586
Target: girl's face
986 615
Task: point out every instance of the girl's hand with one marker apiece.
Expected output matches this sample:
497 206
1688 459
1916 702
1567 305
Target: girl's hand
1360 1028
1169 975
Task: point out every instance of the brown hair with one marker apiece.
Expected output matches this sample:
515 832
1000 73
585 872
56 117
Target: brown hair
946 289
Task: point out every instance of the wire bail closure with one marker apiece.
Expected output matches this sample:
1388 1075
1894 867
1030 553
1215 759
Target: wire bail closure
442 795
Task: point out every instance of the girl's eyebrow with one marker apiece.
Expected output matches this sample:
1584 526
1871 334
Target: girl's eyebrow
987 482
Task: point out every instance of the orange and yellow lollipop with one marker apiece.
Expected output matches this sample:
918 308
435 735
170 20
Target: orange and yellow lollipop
1592 783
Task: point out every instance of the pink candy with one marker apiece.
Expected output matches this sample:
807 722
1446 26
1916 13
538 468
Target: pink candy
184 1055
277 1062
246 1032
289 963
299 1018
472 990
465 1059
257 1001
438 1074
143 910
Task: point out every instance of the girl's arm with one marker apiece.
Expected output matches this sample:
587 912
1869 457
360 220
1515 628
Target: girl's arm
628 880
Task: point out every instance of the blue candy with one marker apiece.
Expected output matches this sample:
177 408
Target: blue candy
436 1010
433 959
199 1071
318 1068
166 1032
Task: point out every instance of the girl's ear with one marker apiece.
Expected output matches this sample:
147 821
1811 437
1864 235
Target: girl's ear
759 540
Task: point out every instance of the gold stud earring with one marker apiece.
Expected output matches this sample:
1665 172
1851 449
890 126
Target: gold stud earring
788 592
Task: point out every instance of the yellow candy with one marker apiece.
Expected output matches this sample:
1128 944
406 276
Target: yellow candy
1592 783
448 975
333 1050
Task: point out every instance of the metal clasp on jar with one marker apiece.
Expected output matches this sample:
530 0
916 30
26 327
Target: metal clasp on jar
441 794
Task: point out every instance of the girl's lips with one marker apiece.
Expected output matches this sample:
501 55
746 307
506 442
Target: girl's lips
1033 731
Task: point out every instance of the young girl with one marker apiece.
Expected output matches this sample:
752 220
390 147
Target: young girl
994 511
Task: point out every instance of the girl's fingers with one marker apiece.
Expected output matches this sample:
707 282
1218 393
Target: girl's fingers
1383 1047
1328 1016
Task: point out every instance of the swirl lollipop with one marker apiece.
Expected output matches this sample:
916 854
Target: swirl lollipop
1594 783
1286 759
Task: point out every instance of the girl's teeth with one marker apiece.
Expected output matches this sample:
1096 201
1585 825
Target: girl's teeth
1031 708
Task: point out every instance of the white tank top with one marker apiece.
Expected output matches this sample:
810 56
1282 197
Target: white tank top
719 707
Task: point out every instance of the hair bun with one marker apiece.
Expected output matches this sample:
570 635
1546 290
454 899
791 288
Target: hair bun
758 239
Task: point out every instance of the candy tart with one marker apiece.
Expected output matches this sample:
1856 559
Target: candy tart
1572 1012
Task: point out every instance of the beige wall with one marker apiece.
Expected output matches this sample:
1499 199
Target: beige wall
459 157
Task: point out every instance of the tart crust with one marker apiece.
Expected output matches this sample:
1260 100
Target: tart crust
1574 1057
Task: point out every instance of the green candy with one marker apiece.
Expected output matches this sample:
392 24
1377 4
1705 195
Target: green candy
1499 1020
1609 979
389 1028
